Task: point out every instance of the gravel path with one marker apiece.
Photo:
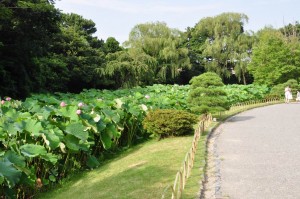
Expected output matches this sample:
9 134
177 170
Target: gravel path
256 155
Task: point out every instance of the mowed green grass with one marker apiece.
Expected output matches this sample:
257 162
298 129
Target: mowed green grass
143 171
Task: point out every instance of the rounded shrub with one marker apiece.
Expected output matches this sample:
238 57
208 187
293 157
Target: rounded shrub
168 122
207 94
206 80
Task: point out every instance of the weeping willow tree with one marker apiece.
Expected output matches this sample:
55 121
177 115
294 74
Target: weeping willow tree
241 57
225 46
159 49
127 69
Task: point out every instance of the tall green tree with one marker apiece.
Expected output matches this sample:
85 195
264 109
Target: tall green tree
162 44
193 42
79 52
242 57
222 44
27 30
291 30
124 69
275 58
111 45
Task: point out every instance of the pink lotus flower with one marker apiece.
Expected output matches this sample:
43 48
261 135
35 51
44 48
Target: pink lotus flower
2 101
8 99
78 112
62 104
80 104
147 96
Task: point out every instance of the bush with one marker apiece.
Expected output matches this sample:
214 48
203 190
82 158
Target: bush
165 122
208 100
205 80
207 94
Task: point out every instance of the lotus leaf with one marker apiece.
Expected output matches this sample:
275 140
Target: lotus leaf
92 162
47 111
32 126
69 112
9 172
18 161
135 111
15 158
112 131
10 128
74 144
52 138
106 139
52 178
1 179
32 150
50 157
78 130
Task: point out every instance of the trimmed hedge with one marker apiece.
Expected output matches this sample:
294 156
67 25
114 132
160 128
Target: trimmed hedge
168 122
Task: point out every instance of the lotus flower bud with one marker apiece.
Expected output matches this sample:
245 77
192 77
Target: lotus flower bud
80 104
62 104
39 183
78 112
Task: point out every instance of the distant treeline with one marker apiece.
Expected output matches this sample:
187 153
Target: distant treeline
45 50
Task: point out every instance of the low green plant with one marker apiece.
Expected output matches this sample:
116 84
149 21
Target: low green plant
242 93
166 122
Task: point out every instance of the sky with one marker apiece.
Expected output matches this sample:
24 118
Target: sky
116 18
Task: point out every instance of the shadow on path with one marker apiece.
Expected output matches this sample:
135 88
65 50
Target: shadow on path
240 118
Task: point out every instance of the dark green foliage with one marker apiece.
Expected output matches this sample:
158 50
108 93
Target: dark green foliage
27 30
206 94
167 122
112 45
44 50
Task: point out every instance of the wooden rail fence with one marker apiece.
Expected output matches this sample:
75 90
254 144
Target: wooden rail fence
182 175
188 163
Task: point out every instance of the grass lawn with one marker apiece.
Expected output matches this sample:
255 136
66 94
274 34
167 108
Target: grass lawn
141 172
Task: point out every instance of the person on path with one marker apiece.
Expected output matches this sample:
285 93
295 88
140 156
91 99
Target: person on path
298 96
288 94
